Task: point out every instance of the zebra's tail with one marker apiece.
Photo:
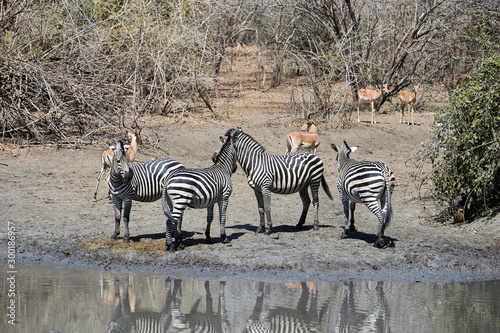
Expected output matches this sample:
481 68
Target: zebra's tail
388 201
325 187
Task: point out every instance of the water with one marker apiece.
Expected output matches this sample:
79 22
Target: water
71 299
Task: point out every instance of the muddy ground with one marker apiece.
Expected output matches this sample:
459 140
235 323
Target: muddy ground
47 194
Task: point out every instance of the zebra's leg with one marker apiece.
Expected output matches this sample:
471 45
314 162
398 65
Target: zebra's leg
127 207
345 204
222 216
352 206
315 195
170 227
178 233
374 207
260 204
266 194
117 203
210 217
306 202
170 224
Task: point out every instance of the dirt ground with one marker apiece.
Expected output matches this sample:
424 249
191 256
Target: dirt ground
47 194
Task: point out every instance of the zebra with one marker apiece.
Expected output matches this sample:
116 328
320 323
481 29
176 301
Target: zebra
304 317
364 182
107 156
282 174
135 181
170 319
208 320
200 188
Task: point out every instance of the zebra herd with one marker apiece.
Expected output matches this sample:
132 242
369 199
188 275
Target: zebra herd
179 187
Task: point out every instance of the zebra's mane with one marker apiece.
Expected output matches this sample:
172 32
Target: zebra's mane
226 143
256 144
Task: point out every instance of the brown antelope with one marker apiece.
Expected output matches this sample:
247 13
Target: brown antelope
409 99
305 139
232 52
249 50
372 96
107 156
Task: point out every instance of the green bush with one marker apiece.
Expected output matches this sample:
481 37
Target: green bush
465 149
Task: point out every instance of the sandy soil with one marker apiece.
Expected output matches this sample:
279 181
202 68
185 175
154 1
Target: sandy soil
47 193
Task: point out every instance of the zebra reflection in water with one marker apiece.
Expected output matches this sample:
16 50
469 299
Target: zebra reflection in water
208 321
281 319
360 314
124 320
171 319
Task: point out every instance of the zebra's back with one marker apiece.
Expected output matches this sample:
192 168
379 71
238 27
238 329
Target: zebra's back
365 180
293 172
149 177
203 187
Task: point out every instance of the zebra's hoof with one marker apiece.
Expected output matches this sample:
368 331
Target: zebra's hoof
268 231
315 227
380 243
344 235
225 240
259 230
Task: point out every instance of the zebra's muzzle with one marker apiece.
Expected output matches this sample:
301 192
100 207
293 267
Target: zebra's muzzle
127 175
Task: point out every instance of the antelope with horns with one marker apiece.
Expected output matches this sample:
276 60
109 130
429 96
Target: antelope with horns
107 156
372 96
305 139
409 99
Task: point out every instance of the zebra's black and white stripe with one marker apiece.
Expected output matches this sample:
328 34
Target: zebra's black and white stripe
304 318
283 174
200 188
364 182
124 320
211 319
135 181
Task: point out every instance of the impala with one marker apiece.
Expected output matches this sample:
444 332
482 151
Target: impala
372 96
409 99
107 156
249 50
233 51
305 139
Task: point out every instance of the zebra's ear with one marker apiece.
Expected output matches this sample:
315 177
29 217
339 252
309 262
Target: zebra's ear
335 147
235 132
353 149
345 148
221 139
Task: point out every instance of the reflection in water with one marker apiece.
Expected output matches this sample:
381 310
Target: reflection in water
171 319
66 299
299 318
375 316
124 319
